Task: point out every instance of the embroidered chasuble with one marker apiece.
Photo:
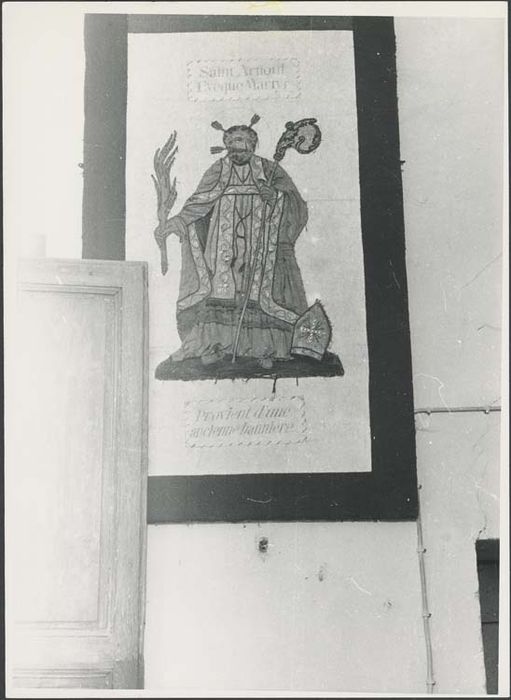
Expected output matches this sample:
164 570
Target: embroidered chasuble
222 224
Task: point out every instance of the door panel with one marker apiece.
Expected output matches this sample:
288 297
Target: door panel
77 475
70 678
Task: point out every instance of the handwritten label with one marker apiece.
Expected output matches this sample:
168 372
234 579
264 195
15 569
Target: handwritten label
211 423
243 79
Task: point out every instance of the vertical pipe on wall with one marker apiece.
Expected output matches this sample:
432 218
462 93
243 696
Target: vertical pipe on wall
426 615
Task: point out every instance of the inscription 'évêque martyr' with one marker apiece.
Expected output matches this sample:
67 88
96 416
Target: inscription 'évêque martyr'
239 79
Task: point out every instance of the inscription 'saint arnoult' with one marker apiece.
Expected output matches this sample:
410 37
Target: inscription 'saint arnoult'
245 422
239 79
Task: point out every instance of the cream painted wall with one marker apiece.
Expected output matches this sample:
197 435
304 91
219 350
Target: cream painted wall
450 82
331 606
451 124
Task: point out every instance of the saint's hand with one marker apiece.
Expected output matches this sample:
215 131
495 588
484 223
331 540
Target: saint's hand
163 231
267 192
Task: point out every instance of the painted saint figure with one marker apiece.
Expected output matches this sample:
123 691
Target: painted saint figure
219 226
241 294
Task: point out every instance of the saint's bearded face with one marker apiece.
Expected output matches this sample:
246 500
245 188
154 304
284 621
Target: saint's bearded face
240 147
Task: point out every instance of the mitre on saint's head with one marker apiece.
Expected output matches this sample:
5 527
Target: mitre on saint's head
237 127
312 333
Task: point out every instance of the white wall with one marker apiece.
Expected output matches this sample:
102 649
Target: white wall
331 606
43 73
450 81
451 122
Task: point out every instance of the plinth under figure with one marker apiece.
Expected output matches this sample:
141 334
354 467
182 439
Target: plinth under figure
241 291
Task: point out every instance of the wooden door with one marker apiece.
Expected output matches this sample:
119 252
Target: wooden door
76 474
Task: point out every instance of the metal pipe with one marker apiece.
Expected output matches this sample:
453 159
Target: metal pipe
426 615
459 409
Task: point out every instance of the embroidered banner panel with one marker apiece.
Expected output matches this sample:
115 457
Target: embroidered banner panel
311 249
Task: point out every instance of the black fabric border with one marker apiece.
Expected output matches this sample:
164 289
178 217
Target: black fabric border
389 491
104 144
151 24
